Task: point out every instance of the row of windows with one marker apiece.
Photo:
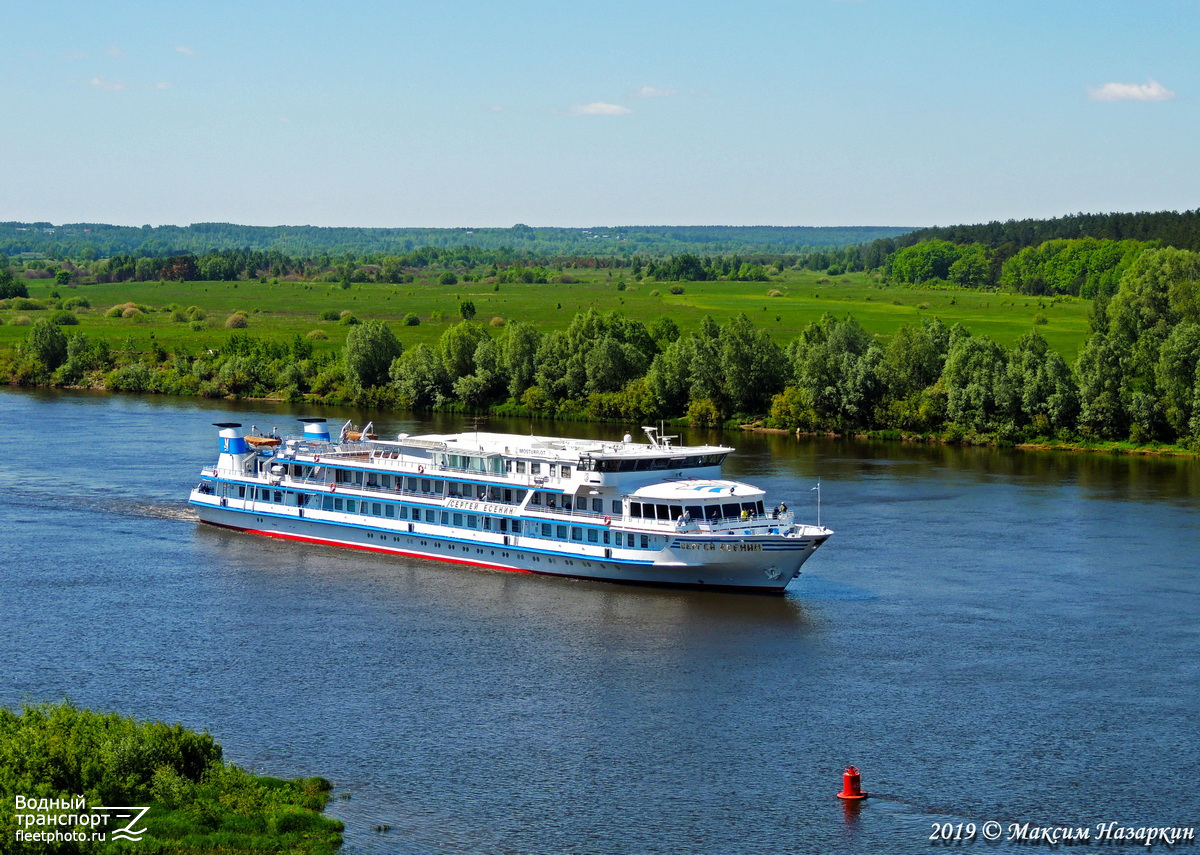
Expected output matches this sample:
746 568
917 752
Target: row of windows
389 510
643 464
671 513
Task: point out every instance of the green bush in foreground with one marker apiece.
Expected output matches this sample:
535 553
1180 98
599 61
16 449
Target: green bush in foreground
198 803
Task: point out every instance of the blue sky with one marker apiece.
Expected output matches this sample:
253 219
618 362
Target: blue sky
812 112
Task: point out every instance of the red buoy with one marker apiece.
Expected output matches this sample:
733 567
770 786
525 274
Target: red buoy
851 784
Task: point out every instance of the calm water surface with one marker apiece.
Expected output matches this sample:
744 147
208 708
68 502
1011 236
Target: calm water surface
990 636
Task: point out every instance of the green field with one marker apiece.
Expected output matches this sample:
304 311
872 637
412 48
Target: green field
279 309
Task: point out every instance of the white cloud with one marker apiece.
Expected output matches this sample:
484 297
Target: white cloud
185 50
496 108
106 84
599 108
115 52
1151 90
162 84
651 92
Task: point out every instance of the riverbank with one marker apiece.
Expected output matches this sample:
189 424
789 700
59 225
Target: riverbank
65 770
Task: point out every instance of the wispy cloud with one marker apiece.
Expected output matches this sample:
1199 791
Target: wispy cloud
106 84
115 52
651 92
1151 90
185 50
599 108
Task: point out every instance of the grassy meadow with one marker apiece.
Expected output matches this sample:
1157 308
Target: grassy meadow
280 309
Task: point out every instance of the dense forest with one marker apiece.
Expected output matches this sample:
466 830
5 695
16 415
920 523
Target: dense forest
90 241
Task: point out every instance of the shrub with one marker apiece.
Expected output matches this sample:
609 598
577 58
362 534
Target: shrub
348 320
129 312
411 320
318 335
21 321
1040 319
774 292
448 278
64 319
178 317
676 289
237 321
496 322
654 293
77 303
329 315
27 304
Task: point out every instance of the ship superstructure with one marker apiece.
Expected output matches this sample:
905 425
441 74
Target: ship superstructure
645 512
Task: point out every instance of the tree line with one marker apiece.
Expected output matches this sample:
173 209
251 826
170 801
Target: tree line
1136 378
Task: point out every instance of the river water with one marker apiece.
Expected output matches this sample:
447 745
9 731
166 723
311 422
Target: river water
990 636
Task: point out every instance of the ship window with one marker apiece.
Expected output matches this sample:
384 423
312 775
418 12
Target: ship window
472 521
730 510
458 519
508 495
376 508
616 507
278 497
535 469
520 467
404 512
662 463
664 512
424 485
487 523
337 504
389 511
327 503
241 491
576 533
547 530
445 518
516 526
412 484
597 505
642 465
645 542
759 507
551 469
635 509
430 516
566 471
607 538
560 532
350 505
537 498
696 512
629 539
592 535
481 490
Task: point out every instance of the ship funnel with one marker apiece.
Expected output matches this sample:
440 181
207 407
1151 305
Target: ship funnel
315 430
231 439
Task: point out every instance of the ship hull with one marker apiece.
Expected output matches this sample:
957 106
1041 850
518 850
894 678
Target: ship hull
763 564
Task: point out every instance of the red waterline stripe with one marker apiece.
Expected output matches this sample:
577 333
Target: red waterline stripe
449 560
365 548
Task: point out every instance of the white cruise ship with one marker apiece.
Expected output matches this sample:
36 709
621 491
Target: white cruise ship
637 512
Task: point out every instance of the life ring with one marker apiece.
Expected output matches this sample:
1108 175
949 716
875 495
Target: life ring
332 486
608 520
316 458
420 470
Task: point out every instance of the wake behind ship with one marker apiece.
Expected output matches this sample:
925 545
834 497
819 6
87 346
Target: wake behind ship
649 513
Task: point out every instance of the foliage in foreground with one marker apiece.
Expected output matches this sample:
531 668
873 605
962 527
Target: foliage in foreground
198 803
